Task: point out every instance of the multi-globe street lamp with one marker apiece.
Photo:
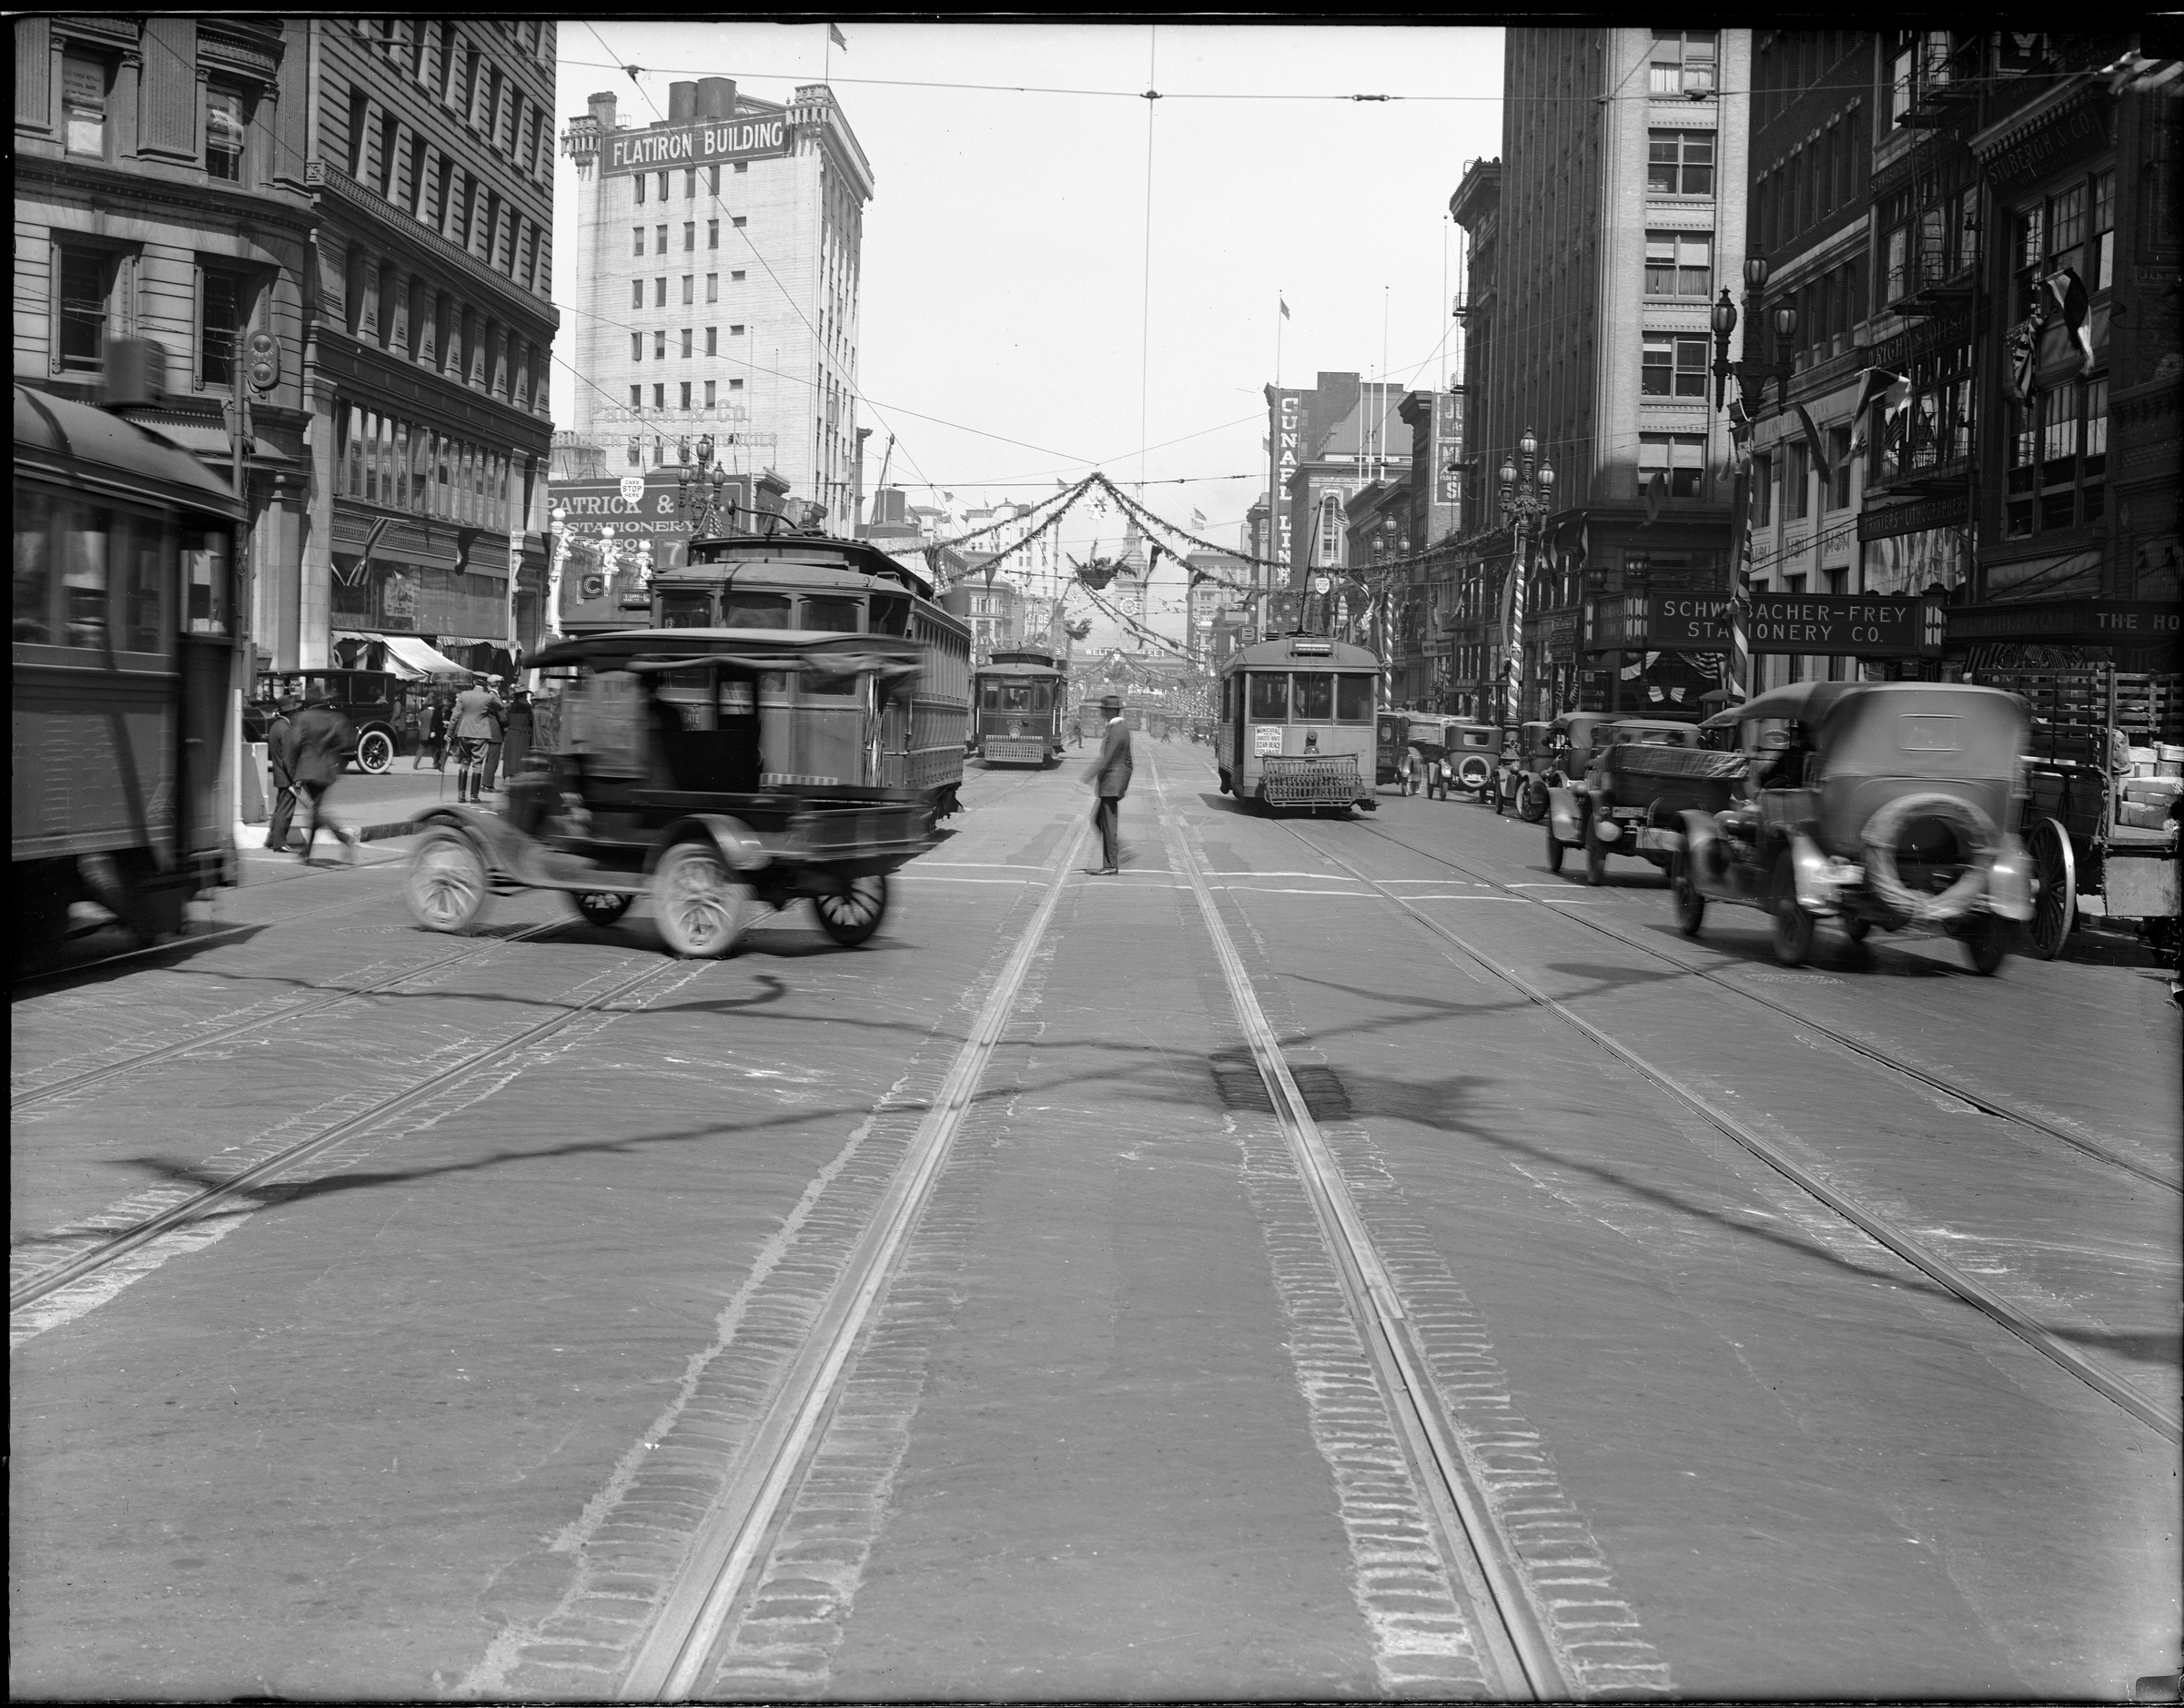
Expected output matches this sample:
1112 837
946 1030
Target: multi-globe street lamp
1752 373
700 487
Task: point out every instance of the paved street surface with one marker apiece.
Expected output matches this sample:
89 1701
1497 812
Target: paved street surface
1333 1259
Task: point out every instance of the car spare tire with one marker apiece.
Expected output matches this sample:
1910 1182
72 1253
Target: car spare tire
1974 836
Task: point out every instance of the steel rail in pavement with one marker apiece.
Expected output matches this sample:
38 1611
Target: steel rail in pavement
1981 1299
51 1280
676 1653
1513 1636
166 1052
1873 1053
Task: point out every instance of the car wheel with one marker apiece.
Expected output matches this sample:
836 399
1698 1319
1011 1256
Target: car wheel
696 902
1596 858
1532 803
445 883
1554 850
1856 926
1691 904
375 752
1986 943
1793 925
600 907
852 916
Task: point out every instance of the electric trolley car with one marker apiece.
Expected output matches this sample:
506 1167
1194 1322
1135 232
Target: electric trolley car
126 673
1021 699
817 583
1297 724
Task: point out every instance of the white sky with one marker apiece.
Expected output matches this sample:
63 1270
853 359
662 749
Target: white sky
1005 286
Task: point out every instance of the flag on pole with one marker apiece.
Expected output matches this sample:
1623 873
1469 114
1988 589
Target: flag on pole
1285 307
1657 489
1197 518
1891 390
2069 293
837 37
1815 443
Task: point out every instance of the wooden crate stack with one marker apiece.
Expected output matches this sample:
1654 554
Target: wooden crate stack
2148 708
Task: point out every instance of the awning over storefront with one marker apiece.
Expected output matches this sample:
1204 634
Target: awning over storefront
406 655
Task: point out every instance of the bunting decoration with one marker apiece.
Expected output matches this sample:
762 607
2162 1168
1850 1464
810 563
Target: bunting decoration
1814 444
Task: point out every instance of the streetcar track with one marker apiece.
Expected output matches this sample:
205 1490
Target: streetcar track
1950 1275
1872 1053
676 1653
43 1282
18 1101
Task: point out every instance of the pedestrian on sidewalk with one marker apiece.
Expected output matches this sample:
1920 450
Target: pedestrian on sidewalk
320 739
494 742
476 721
518 736
1109 776
431 733
280 760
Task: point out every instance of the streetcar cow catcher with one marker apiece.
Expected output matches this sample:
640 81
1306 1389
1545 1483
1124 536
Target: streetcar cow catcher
126 672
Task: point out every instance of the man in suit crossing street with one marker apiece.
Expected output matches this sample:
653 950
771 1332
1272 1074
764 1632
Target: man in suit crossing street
1110 778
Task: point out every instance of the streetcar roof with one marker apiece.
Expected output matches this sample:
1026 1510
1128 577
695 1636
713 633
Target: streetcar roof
1310 652
745 649
809 551
79 433
1038 671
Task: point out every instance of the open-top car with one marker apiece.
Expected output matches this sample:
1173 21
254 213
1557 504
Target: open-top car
706 769
1643 775
1878 804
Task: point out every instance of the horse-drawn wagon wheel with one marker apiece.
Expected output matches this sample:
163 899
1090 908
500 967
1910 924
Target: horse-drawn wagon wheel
2055 893
853 914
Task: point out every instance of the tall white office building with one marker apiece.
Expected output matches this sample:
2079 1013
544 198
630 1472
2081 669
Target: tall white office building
717 265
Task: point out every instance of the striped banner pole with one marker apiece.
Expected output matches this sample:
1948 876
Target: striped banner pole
1739 662
1518 571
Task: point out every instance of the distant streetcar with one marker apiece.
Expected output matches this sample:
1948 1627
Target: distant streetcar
126 673
1021 700
817 583
1297 724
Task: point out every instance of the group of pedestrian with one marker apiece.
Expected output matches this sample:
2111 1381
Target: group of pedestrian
306 745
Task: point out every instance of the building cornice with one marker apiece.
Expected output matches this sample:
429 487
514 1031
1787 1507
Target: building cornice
425 250
115 190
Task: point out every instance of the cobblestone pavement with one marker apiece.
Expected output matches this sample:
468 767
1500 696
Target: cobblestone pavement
448 1406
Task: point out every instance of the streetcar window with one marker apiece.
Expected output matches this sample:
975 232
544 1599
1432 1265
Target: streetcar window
205 575
33 566
890 614
145 562
1042 697
754 610
1313 700
832 615
83 541
825 687
1271 698
685 611
1353 699
1016 696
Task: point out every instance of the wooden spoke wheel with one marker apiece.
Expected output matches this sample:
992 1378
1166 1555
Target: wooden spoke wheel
696 902
1793 925
851 916
375 752
445 883
2055 888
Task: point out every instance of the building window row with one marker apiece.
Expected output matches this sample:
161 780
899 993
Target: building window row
713 342
2073 227
1674 365
2058 459
403 466
405 315
1684 62
227 109
430 186
1679 162
690 235
1679 459
461 75
1818 180
1679 264
92 289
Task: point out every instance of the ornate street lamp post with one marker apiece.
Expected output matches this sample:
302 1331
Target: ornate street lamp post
557 554
700 487
1752 373
1527 495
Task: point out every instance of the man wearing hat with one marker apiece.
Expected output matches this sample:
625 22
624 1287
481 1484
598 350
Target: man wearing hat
278 712
1110 778
497 686
477 722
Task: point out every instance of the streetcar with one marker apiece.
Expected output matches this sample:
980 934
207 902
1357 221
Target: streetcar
817 583
127 672
1020 699
1298 724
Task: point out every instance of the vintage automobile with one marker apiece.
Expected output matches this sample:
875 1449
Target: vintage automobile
2092 856
378 704
1902 812
1467 757
1546 754
705 769
1389 746
1644 774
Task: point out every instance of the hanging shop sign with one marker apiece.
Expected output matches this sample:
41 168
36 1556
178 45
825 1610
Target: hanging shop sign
1285 451
697 145
2069 622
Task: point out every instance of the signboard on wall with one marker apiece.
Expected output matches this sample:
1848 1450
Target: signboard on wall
1285 451
1849 625
745 138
